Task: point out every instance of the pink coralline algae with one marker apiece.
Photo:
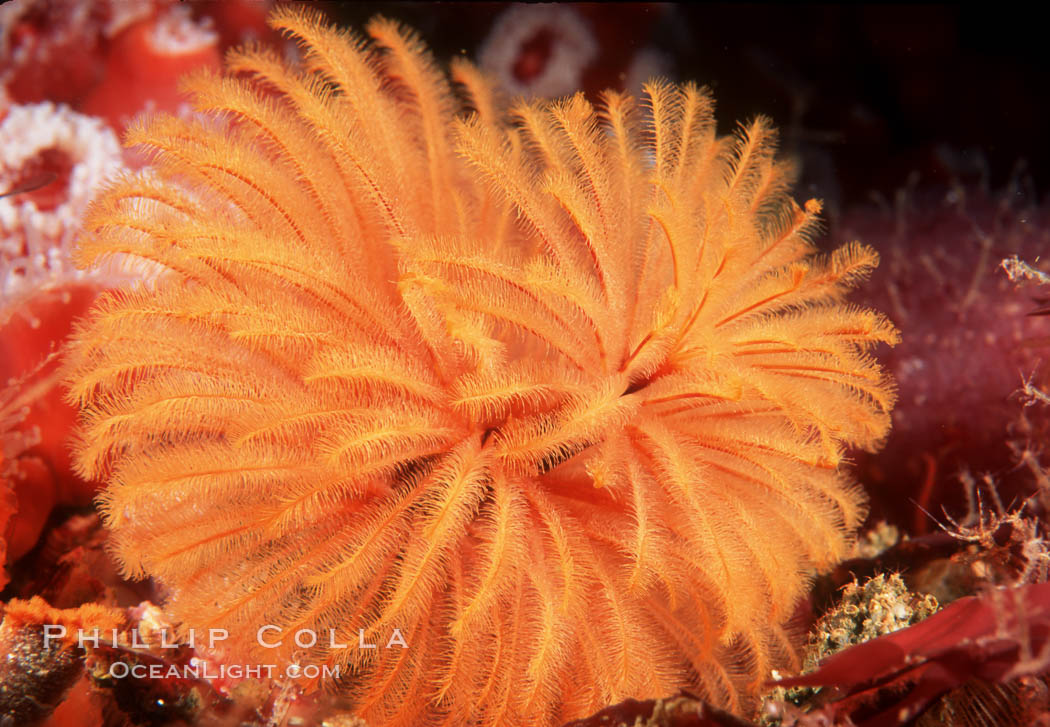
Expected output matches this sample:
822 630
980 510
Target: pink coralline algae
970 344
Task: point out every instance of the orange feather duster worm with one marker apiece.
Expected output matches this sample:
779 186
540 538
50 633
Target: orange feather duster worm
560 394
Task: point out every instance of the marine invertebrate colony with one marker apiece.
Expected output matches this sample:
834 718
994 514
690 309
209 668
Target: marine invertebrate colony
561 395
42 142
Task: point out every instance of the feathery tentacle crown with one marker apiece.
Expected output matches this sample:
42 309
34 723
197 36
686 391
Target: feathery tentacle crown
560 394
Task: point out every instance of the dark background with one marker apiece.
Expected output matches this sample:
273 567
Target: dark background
866 95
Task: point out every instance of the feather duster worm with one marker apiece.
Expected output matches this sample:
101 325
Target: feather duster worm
561 396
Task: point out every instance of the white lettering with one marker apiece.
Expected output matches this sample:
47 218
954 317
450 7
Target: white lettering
53 631
266 644
311 634
164 641
361 641
82 639
118 666
217 635
397 638
331 641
